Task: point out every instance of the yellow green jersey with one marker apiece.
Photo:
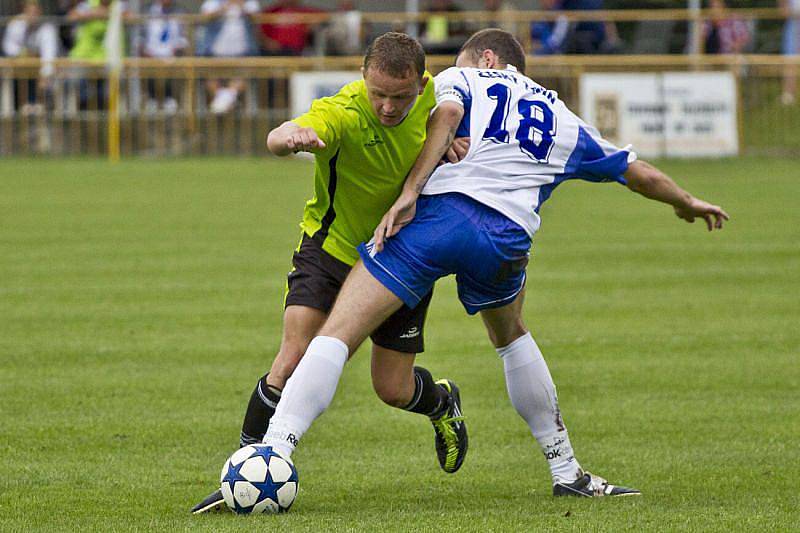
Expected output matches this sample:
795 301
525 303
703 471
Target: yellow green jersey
360 172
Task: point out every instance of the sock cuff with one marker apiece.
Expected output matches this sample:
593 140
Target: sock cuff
329 348
269 395
520 352
511 347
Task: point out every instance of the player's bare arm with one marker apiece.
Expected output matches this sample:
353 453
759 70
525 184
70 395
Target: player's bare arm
441 133
289 138
652 183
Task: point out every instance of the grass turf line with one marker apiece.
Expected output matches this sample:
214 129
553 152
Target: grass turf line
138 304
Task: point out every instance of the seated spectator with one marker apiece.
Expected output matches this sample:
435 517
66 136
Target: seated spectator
548 36
343 36
723 34
440 34
589 36
286 38
563 37
27 35
163 39
229 34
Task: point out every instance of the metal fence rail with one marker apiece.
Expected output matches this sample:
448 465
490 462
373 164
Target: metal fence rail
70 115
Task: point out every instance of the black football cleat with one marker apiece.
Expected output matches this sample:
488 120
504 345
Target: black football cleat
451 431
213 503
591 486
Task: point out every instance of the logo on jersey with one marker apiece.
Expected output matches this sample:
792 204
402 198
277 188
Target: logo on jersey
374 141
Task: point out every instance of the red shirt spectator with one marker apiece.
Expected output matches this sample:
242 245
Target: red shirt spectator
288 38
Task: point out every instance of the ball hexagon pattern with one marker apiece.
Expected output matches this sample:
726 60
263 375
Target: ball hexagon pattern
256 479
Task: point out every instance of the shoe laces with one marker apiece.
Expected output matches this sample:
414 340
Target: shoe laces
445 427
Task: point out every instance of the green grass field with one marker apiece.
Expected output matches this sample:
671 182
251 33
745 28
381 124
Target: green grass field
140 302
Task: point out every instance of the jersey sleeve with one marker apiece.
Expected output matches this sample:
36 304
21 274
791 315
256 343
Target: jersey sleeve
451 85
600 160
326 118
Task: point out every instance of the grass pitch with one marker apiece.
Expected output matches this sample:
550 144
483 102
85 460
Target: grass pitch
139 303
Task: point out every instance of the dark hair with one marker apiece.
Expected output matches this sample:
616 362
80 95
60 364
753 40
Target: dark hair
502 43
395 54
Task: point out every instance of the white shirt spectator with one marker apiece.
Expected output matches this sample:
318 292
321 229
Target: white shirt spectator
163 34
232 38
22 38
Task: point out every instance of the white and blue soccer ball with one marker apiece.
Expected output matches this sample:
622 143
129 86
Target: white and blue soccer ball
257 479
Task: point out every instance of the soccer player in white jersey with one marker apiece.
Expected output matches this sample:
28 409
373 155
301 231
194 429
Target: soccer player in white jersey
475 219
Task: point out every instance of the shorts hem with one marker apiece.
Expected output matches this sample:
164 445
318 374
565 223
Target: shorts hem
306 303
387 279
473 308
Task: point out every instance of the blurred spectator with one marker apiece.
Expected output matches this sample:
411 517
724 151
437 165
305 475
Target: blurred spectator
164 39
343 37
27 35
791 47
501 10
548 36
563 37
590 36
229 34
287 38
723 34
163 35
440 34
92 19
66 32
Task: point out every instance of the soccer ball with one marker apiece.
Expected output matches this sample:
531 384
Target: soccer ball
256 479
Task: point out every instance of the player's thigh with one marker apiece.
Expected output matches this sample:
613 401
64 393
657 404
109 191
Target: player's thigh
404 331
393 375
505 324
363 304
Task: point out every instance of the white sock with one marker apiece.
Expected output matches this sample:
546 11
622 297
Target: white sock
533 395
307 393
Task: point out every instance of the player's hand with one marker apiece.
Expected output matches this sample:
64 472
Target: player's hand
400 214
458 150
304 140
714 215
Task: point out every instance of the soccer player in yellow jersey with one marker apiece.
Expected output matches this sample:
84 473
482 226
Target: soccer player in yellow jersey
365 140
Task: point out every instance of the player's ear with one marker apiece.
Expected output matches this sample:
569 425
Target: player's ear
490 58
362 72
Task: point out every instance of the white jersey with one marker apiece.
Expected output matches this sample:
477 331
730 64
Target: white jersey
524 142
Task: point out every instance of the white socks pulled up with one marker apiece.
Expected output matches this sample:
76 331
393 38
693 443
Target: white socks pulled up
533 394
307 393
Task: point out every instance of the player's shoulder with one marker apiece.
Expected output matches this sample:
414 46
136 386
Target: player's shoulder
454 73
341 106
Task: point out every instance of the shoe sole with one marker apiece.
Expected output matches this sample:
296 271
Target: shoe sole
577 494
216 506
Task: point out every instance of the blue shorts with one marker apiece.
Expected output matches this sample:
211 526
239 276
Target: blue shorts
454 234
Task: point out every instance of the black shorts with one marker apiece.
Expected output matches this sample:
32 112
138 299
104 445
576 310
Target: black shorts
316 279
